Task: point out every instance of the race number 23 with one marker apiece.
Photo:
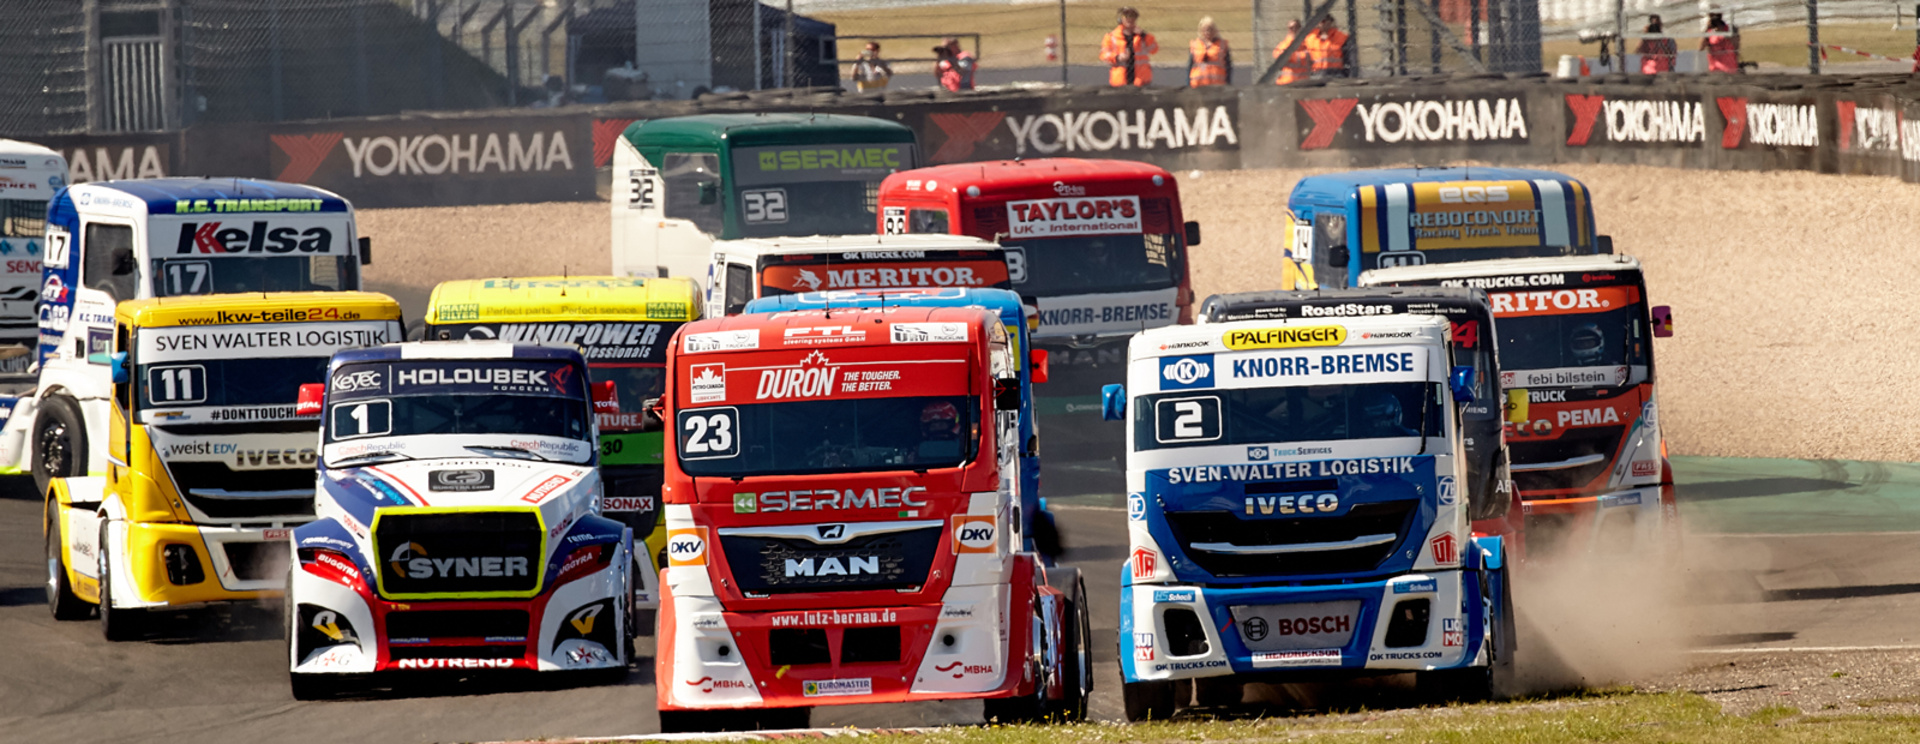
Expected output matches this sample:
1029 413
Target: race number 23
709 433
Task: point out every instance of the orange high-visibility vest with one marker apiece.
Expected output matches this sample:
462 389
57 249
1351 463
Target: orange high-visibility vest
1111 48
1296 68
1207 62
1325 50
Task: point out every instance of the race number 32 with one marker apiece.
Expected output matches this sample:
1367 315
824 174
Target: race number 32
641 179
764 206
709 433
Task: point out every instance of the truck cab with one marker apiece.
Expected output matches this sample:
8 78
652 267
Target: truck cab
1341 224
1298 508
1575 338
844 524
30 175
623 326
681 183
1100 250
176 237
458 520
744 270
209 459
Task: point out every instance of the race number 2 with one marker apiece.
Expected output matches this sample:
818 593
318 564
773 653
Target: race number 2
1187 419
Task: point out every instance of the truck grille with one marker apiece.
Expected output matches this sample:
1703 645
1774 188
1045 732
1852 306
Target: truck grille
769 565
1574 443
220 492
428 553
1379 518
509 626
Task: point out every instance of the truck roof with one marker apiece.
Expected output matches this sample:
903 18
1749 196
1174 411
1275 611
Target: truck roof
1335 188
1012 175
1179 340
708 130
1002 302
1501 267
413 350
845 243
546 298
293 307
880 321
163 194
1222 308
18 148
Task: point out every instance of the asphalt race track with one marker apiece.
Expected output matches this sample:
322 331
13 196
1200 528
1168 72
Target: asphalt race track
1790 554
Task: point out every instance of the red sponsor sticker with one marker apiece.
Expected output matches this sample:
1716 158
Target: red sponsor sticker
1445 550
1144 563
276 534
545 489
1643 468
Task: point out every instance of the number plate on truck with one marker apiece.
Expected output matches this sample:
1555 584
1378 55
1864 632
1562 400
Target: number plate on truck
1285 627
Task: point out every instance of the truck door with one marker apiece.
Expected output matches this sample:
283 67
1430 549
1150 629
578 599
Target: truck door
119 435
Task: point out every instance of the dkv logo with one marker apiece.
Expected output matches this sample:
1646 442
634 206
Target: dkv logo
973 534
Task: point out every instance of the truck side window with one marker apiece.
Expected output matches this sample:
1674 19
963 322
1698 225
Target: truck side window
693 189
1329 232
927 221
109 263
739 288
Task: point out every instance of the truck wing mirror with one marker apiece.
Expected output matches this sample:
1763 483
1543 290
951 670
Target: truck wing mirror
1338 257
310 396
366 251
1662 321
1603 245
1193 233
1516 406
1038 358
1461 382
1113 402
709 192
1006 394
655 407
119 364
606 397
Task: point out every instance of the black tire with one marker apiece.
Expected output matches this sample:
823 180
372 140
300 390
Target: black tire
60 596
1494 681
1148 701
116 623
59 442
1077 681
1024 708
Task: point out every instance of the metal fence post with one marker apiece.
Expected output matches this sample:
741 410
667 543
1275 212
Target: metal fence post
787 61
1813 36
274 62
1063 42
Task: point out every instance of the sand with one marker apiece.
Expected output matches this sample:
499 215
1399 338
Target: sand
1787 288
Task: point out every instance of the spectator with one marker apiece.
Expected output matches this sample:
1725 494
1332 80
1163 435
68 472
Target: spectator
1300 65
1328 47
1656 52
1128 52
1209 61
871 72
1722 46
956 65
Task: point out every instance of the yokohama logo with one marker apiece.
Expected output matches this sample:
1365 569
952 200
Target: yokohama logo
1868 128
304 152
1770 124
1634 121
964 132
1412 121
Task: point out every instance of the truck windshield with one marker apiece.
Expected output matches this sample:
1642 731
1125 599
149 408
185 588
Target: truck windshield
837 436
237 373
824 189
1590 348
1310 413
174 277
439 408
1095 264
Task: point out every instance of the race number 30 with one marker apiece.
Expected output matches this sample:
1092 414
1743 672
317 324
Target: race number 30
709 433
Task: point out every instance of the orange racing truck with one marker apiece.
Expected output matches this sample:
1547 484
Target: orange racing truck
843 524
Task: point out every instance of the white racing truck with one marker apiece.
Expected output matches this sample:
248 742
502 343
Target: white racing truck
125 240
752 268
29 176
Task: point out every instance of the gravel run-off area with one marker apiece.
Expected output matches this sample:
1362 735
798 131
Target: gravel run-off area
1786 287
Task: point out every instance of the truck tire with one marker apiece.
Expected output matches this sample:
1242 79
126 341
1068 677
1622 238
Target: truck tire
60 596
116 623
1494 681
1077 679
1147 701
59 442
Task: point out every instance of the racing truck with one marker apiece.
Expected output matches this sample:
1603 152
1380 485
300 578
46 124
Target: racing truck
29 176
210 463
458 520
1341 224
1575 339
1470 327
1298 508
844 525
681 183
745 270
623 325
124 240
1099 247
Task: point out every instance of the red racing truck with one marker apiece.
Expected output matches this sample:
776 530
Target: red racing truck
1099 247
843 525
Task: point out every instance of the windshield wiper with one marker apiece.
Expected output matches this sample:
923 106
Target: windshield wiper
521 450
396 456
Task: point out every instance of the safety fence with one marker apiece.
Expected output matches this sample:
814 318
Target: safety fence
1865 125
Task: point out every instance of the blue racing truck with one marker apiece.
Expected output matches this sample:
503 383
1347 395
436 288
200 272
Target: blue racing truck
1298 508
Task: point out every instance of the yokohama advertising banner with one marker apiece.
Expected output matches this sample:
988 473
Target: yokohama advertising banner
427 162
1173 130
1406 121
1635 121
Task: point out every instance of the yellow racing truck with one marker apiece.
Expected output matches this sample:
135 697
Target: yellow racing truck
622 326
210 456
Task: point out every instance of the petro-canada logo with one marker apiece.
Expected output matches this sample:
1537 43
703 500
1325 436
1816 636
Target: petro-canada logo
1181 373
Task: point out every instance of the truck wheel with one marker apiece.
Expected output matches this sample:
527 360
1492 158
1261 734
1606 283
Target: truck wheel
59 442
1472 684
60 596
116 623
1077 680
1147 701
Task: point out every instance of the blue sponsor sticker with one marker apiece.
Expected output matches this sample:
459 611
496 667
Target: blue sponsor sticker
1186 372
1413 587
1449 495
1625 499
1175 595
1136 507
